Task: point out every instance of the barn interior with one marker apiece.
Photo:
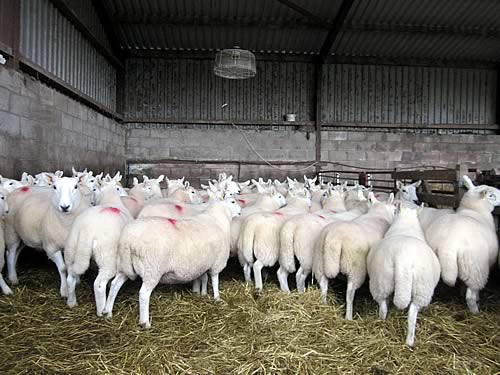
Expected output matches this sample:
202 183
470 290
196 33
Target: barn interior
129 85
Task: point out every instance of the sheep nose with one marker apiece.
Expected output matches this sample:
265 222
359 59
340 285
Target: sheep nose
416 201
64 208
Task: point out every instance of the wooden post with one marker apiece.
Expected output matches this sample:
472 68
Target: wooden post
318 68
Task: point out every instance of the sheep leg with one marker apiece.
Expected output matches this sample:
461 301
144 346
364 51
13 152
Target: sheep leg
472 298
58 259
247 272
323 286
382 311
257 268
71 280
100 284
412 323
349 298
116 284
4 286
283 279
204 284
215 286
300 278
196 286
144 297
12 255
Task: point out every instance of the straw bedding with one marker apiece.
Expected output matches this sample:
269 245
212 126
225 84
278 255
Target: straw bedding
247 333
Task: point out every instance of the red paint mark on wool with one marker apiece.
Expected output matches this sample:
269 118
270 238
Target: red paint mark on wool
242 201
321 216
135 200
279 214
179 208
333 211
172 222
25 189
112 210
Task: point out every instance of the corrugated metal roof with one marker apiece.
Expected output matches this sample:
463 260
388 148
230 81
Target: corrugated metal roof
434 29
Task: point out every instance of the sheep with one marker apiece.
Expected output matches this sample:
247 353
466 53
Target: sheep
355 198
4 210
342 247
184 194
271 201
403 265
466 242
47 178
258 243
94 235
298 235
173 185
153 187
42 221
173 251
137 196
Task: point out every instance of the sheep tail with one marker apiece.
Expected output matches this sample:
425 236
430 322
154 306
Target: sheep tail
449 265
286 258
403 283
332 250
78 251
246 239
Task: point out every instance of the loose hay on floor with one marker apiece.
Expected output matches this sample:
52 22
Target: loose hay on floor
270 333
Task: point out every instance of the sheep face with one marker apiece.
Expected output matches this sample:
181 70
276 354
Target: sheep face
66 194
490 194
194 196
10 185
408 193
233 206
4 208
279 198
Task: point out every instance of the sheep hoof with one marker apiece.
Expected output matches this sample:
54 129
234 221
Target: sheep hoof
72 304
14 281
7 291
146 325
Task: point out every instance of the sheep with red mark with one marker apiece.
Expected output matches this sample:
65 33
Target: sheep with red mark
94 235
170 250
42 221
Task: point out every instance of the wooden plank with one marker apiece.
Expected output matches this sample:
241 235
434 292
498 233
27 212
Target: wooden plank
437 174
437 200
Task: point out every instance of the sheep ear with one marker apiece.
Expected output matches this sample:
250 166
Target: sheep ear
371 198
260 189
24 177
73 170
420 208
1 178
211 194
83 178
49 178
399 185
417 184
100 174
468 182
391 199
483 193
313 181
272 190
59 174
135 181
145 178
186 184
160 178
305 178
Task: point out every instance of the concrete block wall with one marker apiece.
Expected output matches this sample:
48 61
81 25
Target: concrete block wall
366 149
44 130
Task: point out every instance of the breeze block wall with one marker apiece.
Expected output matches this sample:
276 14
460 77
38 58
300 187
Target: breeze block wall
42 129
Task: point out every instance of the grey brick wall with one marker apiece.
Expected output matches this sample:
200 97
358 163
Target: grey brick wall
366 149
44 130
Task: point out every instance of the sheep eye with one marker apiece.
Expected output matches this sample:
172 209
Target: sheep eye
55 188
3 198
11 183
76 187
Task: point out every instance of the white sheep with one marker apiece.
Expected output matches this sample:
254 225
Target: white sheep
267 201
356 199
466 242
94 235
403 265
4 209
42 221
173 251
258 243
184 194
342 247
298 236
